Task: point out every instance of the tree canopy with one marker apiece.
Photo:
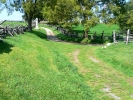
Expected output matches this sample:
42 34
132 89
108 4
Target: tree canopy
88 12
128 17
30 8
71 12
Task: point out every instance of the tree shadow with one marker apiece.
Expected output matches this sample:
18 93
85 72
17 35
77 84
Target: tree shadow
5 47
69 38
39 34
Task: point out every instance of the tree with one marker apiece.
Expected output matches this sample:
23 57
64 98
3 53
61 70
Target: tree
70 12
88 11
30 8
5 4
114 12
128 22
48 11
61 12
86 14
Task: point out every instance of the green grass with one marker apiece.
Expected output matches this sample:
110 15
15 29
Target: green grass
99 28
113 69
120 56
13 24
108 29
34 68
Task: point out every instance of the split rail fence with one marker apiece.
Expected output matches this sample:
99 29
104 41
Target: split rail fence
11 30
123 36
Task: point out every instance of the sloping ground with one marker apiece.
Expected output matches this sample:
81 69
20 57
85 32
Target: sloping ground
108 71
109 80
33 68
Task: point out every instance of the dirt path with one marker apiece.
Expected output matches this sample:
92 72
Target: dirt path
51 36
75 55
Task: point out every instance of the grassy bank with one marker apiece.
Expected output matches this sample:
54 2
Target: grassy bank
33 68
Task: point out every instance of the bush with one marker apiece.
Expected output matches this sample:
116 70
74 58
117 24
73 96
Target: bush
85 40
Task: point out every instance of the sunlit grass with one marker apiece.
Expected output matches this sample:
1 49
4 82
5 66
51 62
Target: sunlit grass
13 24
33 68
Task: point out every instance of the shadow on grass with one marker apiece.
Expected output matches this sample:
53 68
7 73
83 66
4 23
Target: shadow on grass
68 38
78 31
5 47
39 34
97 41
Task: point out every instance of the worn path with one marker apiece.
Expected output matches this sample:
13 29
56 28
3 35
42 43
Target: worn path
50 35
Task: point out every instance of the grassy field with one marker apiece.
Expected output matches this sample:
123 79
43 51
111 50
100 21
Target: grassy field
34 68
99 28
13 24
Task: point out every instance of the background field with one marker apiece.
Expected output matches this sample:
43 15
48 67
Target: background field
13 24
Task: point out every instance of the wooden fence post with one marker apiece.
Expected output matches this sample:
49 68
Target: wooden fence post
102 35
127 38
94 35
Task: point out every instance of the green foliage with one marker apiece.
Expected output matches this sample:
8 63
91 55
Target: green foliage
70 12
61 12
85 40
32 7
128 16
113 12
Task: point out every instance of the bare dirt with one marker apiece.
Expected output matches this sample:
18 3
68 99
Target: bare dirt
50 35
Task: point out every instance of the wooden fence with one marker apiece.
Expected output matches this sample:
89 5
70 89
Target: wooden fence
126 36
123 36
11 30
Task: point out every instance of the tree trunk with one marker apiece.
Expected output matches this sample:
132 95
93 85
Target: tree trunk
86 34
29 24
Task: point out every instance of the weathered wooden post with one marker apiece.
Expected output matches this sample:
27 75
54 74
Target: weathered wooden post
114 36
127 38
94 35
36 23
102 35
